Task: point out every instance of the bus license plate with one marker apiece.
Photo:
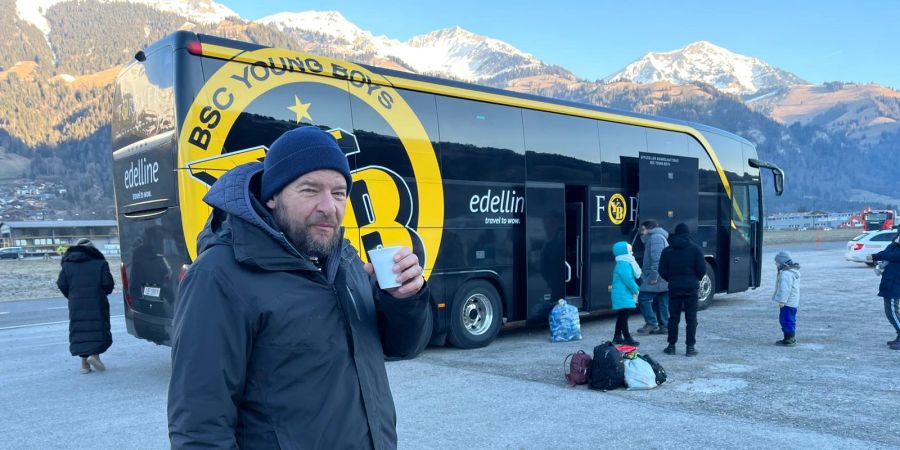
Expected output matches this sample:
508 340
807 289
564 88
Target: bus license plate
151 291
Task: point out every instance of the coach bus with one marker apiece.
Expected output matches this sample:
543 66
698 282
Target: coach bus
510 201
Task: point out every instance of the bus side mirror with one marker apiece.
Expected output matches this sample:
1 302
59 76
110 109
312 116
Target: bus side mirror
777 173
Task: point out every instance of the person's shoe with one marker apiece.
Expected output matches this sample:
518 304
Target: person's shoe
632 342
690 351
94 361
661 330
646 329
670 350
85 366
895 346
786 342
895 341
618 340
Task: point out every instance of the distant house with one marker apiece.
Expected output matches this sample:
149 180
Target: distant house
46 236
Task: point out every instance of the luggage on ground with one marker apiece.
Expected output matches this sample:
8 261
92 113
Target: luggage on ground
638 374
565 324
607 368
577 367
657 369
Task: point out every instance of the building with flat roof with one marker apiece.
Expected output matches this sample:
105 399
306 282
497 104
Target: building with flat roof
48 236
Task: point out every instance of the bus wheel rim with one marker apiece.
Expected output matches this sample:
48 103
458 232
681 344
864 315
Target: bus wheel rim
705 287
477 314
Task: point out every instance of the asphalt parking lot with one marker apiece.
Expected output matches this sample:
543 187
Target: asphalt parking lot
837 389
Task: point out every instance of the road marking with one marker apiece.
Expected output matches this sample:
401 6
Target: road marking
45 323
59 307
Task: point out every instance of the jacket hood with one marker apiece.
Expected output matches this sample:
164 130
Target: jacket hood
680 240
81 253
240 220
657 231
620 248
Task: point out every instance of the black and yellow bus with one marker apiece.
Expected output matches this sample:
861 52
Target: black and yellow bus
511 201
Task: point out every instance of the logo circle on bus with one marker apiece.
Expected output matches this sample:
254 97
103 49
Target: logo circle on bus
617 209
250 75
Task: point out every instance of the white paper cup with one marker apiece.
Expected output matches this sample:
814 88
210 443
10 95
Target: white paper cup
383 260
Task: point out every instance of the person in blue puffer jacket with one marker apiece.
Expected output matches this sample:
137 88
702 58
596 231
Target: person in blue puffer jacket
889 288
624 291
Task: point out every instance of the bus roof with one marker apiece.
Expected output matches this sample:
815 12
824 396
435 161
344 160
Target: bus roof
180 39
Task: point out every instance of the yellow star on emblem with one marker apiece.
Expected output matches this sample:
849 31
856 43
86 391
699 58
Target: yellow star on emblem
300 109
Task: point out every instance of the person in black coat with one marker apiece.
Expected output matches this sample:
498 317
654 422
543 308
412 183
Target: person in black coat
85 280
683 266
889 288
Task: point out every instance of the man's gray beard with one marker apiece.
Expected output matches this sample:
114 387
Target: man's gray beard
303 242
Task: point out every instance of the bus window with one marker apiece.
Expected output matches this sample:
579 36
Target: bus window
480 135
561 148
730 154
617 142
287 107
709 177
667 142
741 210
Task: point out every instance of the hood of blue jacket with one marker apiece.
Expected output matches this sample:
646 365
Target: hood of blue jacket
620 248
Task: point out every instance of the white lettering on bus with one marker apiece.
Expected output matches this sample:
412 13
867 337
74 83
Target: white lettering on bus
145 173
506 202
601 206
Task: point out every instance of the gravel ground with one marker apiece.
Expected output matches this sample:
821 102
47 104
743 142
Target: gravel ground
34 278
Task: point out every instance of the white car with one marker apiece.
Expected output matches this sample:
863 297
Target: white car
868 243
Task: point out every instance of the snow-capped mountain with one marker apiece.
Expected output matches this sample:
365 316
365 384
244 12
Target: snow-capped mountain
451 51
205 11
707 63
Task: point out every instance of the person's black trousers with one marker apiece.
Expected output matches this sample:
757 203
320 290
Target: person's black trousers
622 323
683 301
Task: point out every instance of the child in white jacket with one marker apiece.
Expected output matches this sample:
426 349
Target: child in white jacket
787 295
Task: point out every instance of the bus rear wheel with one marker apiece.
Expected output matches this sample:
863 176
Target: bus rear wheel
707 288
475 315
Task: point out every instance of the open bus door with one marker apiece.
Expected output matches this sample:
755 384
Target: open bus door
741 242
669 190
545 244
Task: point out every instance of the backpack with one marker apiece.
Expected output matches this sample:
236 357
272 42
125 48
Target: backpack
565 324
607 368
661 376
577 367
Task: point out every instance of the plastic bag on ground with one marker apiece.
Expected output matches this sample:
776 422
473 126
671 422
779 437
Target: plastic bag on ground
565 324
639 375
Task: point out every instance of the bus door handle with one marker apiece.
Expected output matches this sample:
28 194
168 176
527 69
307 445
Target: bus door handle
568 271
737 259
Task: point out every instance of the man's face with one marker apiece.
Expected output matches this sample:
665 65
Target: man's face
310 210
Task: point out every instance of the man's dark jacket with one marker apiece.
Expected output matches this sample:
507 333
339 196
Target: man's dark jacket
682 264
890 278
85 281
271 352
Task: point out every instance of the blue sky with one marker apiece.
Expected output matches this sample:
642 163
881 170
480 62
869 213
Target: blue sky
819 41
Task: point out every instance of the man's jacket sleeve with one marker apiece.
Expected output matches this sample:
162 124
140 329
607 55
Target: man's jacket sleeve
890 254
106 280
212 333
403 324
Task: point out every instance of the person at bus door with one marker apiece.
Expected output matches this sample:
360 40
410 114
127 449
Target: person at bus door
654 293
85 280
889 289
279 331
624 291
682 263
787 295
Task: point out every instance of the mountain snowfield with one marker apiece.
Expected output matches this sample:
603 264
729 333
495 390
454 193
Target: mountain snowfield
452 51
702 61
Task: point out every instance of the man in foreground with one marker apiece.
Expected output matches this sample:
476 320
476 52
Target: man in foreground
279 331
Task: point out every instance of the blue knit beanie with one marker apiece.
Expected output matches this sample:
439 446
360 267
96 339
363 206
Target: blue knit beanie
298 152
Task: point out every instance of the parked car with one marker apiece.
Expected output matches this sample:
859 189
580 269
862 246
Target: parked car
12 253
868 243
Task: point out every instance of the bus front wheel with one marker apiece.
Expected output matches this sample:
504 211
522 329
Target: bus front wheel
707 288
475 315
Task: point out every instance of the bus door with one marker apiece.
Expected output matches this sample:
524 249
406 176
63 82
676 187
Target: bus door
669 190
575 244
741 245
545 244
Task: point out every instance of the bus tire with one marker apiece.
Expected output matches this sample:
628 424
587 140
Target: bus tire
475 316
707 288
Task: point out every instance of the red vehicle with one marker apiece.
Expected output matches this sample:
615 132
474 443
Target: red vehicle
878 220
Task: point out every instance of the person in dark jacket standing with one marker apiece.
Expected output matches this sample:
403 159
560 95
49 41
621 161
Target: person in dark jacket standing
279 331
683 265
889 289
85 281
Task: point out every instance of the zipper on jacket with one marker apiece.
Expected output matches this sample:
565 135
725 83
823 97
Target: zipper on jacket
353 300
